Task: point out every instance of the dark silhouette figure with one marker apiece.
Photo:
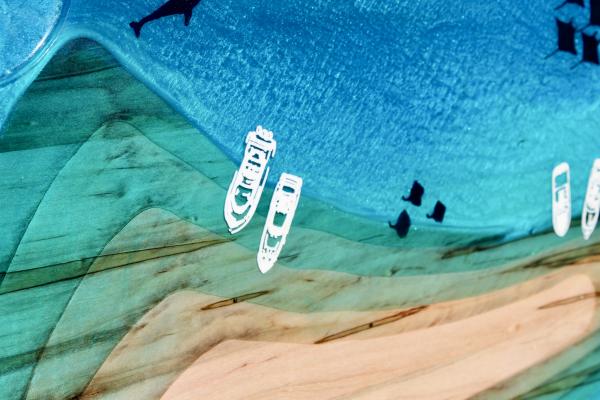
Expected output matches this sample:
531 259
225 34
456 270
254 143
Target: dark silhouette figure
577 2
171 7
590 49
402 224
566 36
416 194
438 212
594 12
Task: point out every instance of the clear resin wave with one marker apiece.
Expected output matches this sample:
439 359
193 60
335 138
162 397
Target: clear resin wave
25 29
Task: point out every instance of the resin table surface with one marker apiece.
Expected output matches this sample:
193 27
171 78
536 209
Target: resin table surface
364 96
120 280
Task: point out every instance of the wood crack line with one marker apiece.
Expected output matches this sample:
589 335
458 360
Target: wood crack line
373 324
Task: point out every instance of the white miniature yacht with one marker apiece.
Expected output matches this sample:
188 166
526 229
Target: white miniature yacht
591 204
279 220
561 199
249 180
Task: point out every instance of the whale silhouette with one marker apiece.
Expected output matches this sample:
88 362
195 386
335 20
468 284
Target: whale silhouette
171 7
402 224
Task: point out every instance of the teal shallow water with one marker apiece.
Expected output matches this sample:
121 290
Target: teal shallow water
142 155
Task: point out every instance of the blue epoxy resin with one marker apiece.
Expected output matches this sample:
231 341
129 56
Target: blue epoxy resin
368 96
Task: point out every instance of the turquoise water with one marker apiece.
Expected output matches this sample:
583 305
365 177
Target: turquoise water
26 29
163 168
367 96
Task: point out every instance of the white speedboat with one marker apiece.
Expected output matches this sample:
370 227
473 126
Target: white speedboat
591 204
249 180
279 220
561 199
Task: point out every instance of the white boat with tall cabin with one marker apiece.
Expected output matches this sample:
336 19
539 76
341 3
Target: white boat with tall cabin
249 180
279 220
561 199
591 204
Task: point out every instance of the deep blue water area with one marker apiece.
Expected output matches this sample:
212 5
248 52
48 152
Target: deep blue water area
363 96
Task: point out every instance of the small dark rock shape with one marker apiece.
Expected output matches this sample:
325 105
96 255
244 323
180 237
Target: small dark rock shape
416 194
438 212
402 224
171 7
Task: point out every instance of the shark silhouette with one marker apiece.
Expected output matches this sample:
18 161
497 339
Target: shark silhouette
171 7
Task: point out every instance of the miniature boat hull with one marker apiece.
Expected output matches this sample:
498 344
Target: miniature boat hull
279 220
249 180
561 199
591 204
